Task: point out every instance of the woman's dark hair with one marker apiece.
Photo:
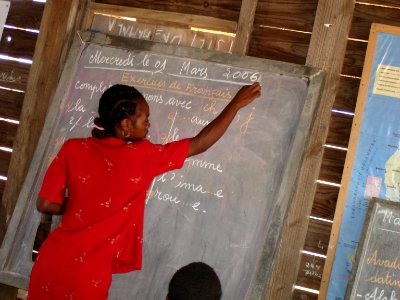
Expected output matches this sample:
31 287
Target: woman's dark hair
196 281
117 103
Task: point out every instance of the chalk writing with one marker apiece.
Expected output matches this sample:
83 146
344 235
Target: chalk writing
198 188
198 121
390 218
312 269
172 35
99 59
239 74
10 77
92 87
75 106
380 295
187 68
166 36
199 163
374 260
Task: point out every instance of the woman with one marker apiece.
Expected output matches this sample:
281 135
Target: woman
107 176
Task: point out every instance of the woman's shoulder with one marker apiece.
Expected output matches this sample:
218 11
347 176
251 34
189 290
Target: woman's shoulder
73 143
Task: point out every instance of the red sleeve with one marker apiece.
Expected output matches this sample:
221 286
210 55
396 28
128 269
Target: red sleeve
170 156
55 179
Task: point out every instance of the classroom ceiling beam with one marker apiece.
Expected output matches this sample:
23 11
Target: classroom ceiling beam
244 27
327 50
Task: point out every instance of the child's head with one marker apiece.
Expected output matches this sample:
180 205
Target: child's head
119 104
196 281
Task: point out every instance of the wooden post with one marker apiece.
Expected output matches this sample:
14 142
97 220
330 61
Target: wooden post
61 18
327 50
245 27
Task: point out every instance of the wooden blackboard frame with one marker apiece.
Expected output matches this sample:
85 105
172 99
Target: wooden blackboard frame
374 206
288 184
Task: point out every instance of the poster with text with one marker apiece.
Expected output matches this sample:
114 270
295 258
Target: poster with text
375 153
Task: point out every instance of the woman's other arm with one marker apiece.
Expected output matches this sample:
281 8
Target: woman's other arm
213 131
48 207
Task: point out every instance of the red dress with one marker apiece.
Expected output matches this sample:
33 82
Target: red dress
102 227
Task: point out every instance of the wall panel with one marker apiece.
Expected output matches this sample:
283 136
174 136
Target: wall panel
332 165
10 103
292 14
317 239
223 9
346 96
339 130
325 201
365 15
7 133
21 44
281 45
25 14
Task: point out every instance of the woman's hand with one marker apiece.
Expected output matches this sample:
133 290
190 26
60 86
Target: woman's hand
213 131
247 94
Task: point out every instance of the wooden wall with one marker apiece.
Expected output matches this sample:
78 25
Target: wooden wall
15 43
281 31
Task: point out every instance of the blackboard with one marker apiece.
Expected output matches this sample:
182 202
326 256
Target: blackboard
376 273
227 206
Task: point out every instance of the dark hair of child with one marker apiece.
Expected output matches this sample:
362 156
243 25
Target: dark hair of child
195 281
117 103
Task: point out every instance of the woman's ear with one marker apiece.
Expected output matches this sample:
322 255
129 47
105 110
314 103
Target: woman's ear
121 129
124 124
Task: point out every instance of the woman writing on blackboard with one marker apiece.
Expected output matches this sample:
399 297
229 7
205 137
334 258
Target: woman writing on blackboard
107 176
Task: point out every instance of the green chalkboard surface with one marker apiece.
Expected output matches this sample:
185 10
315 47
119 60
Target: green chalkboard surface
225 207
376 274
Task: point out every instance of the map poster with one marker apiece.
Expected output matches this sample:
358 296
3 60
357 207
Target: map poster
372 167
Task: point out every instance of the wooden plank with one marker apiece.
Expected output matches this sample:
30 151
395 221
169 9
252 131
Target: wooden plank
221 9
7 134
245 27
346 97
2 184
328 44
317 239
14 75
25 14
365 15
304 295
393 3
279 45
332 165
292 14
10 104
339 130
354 58
5 158
310 271
8 292
21 44
325 201
164 17
162 34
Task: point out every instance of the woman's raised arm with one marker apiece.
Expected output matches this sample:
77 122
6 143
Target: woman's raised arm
213 131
